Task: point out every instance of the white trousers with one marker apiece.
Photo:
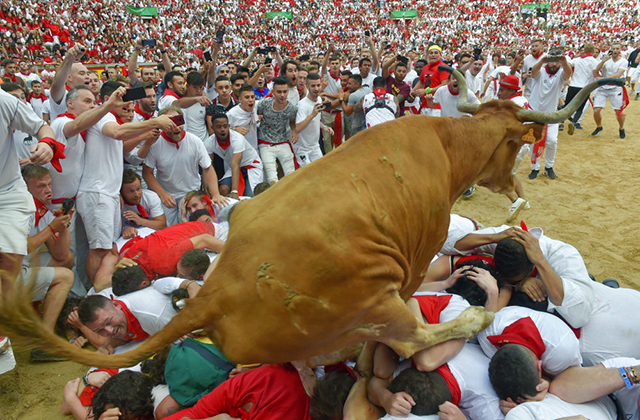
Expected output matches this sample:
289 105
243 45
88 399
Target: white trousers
281 152
550 148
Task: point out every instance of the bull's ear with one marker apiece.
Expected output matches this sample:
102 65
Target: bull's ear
532 132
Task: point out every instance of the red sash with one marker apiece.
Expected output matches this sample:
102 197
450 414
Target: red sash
67 114
295 161
539 146
209 204
134 330
625 101
337 129
448 377
241 182
142 113
432 306
170 140
523 332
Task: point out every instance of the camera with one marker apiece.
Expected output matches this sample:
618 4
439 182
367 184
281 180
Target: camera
554 56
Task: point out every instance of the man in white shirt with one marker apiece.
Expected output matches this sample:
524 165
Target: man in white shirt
174 91
176 157
140 208
448 99
37 97
242 165
537 49
98 200
244 117
308 123
69 75
613 65
331 74
379 106
546 86
583 67
194 105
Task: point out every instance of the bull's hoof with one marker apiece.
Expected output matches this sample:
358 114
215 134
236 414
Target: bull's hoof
475 319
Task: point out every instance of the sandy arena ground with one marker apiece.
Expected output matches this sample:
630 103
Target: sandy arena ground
592 205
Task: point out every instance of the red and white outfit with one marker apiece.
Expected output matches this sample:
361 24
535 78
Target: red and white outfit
36 103
167 99
147 312
335 118
98 200
43 274
307 149
150 207
238 117
195 121
176 165
448 102
377 115
553 342
615 94
529 63
552 407
545 95
432 77
459 227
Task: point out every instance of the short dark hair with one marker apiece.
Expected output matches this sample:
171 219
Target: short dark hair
379 82
168 78
401 65
202 212
329 396
221 79
10 87
88 306
423 61
127 280
280 80
160 67
197 260
356 78
146 85
345 73
129 391
109 87
513 372
283 71
195 79
469 289
129 176
242 69
313 76
236 77
428 389
260 188
511 260
246 88
362 60
31 171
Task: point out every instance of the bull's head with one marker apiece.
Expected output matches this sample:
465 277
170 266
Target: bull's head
522 126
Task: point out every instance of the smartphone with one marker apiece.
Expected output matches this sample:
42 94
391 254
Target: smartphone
67 205
610 53
133 94
326 106
270 49
367 32
148 42
220 35
268 61
207 56
177 119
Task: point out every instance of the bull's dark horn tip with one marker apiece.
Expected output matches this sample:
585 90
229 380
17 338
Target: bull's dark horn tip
442 67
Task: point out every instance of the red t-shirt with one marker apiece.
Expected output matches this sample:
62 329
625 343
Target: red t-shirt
275 391
161 251
431 77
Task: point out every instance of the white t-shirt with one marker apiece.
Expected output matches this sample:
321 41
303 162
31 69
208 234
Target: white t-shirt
57 109
474 83
553 407
238 117
612 67
527 64
166 101
562 349
17 115
238 144
583 68
293 96
46 108
308 138
177 168
104 155
378 115
334 85
545 90
36 104
65 184
152 309
459 227
449 102
368 81
23 142
151 203
195 121
34 229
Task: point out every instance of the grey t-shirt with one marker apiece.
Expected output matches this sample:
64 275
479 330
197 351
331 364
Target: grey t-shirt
357 117
274 124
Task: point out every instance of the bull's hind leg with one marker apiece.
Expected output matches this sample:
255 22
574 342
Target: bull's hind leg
406 335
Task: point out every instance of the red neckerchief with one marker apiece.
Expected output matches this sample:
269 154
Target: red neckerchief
170 140
432 306
42 97
452 92
453 385
134 330
523 332
169 92
536 57
336 78
209 204
83 133
140 208
118 119
518 93
142 113
586 55
225 144
41 210
26 74
67 87
380 93
12 78
549 72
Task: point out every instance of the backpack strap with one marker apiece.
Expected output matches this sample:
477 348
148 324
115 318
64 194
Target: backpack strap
207 355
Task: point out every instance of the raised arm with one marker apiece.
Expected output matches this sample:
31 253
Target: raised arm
62 74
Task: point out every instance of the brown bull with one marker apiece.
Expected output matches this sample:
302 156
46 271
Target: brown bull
328 256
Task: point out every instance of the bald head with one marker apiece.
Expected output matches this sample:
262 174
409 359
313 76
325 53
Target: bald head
79 75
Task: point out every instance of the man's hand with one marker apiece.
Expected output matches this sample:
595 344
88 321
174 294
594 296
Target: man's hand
41 153
507 405
80 341
126 262
242 130
484 279
164 123
332 47
98 379
111 414
534 288
317 109
399 404
132 216
152 136
60 222
129 232
71 390
168 201
115 100
531 245
204 100
74 320
76 52
108 349
453 278
219 200
294 137
450 411
233 195
328 129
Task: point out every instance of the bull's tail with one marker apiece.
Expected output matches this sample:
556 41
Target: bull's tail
21 324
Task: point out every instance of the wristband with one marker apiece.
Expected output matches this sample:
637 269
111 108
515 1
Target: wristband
85 379
234 191
55 232
428 91
58 152
163 52
625 378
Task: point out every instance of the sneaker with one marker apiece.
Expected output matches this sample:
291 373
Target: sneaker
534 174
527 206
577 126
469 192
570 128
561 127
637 96
38 355
549 173
613 283
597 131
632 91
622 134
515 208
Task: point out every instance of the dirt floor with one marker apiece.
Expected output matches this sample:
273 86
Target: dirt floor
592 205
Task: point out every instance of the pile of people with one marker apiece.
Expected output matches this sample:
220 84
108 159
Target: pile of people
117 190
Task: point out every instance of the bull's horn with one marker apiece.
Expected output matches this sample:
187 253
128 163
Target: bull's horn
567 111
463 105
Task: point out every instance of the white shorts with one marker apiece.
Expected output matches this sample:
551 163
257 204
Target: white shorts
614 95
101 217
16 206
43 276
634 73
306 156
431 112
519 158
